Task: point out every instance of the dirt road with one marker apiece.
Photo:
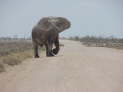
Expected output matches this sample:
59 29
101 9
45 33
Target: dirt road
75 69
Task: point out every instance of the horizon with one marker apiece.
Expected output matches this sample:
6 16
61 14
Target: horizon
99 18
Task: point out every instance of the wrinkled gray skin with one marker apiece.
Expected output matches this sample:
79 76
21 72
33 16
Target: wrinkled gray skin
46 32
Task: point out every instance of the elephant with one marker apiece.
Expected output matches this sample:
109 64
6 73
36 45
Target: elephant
46 32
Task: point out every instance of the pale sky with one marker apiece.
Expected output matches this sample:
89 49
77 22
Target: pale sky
88 17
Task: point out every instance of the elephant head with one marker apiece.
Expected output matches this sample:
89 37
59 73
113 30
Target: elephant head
59 23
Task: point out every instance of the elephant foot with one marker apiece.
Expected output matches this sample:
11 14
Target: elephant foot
36 56
50 54
55 51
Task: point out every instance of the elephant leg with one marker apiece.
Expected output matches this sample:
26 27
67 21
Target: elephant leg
56 43
49 50
35 50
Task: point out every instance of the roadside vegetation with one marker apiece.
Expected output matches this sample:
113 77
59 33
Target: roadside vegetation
91 41
13 51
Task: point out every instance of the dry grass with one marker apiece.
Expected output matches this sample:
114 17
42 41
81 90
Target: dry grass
2 67
103 42
14 51
100 42
16 58
8 46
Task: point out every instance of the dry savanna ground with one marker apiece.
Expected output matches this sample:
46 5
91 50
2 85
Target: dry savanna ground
76 68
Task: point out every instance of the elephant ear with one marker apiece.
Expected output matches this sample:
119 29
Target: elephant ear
63 23
58 23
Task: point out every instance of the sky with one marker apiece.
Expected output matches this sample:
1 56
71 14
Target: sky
88 17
